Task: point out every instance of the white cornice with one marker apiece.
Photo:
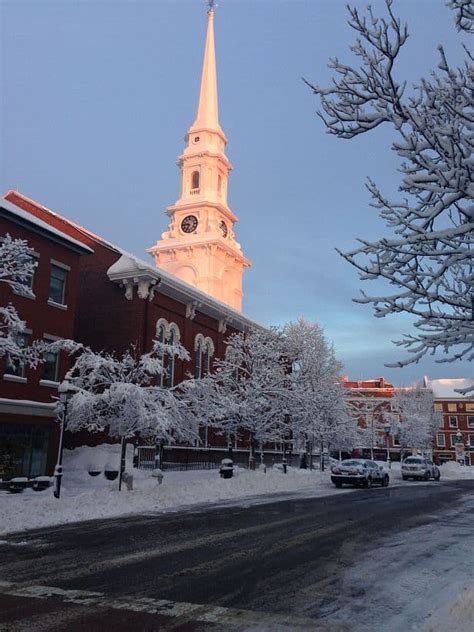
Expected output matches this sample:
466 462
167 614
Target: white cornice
129 271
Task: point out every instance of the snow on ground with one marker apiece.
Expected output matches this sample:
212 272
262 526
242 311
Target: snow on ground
418 580
84 497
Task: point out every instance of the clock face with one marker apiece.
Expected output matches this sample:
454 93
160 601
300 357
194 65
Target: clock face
223 227
189 224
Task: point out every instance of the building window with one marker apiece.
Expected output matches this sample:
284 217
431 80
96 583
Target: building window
24 450
170 360
204 350
471 440
15 365
469 407
167 333
57 284
197 360
452 408
28 282
470 421
195 180
396 440
51 367
453 421
441 441
438 407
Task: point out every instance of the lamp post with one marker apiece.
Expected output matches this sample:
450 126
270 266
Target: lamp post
468 456
459 446
387 441
65 390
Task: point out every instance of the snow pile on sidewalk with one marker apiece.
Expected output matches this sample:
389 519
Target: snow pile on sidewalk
453 470
84 497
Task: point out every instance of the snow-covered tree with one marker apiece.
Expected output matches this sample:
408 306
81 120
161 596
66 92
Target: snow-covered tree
428 262
319 408
372 415
416 423
17 266
122 395
248 390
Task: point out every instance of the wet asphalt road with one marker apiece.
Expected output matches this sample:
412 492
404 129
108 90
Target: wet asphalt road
276 566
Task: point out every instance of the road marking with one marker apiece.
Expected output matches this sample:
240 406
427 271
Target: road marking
205 613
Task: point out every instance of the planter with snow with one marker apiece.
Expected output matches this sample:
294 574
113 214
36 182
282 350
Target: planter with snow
41 483
17 485
226 469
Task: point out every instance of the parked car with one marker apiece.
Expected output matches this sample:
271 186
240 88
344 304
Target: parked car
421 468
359 472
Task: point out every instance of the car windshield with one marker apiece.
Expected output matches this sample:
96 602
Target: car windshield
352 463
413 460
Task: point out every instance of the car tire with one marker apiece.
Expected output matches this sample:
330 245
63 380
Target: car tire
427 476
338 485
385 481
368 483
437 476
405 478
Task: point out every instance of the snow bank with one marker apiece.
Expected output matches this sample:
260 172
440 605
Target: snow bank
453 470
84 497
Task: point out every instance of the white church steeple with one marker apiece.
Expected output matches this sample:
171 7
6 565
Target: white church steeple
199 246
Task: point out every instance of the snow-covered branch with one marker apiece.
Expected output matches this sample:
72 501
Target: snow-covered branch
430 260
122 395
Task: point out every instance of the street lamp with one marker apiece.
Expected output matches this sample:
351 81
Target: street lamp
387 440
65 391
459 438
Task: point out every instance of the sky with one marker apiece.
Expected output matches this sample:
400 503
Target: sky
97 96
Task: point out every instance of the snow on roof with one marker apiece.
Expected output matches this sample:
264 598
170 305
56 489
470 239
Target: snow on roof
445 388
128 265
128 261
32 219
78 227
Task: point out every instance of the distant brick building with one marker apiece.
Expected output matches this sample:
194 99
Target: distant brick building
28 429
455 439
371 400
371 403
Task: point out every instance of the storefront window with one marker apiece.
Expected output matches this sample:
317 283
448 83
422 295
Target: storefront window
23 450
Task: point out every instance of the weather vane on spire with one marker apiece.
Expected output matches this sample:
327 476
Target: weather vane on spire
211 5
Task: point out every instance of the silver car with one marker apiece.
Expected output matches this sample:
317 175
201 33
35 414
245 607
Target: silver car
420 468
359 472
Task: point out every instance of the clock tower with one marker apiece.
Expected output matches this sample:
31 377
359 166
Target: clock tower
199 246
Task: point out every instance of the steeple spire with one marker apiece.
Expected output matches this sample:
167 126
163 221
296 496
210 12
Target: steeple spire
208 110
199 246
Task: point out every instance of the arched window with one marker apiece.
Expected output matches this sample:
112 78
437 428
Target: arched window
167 333
195 180
198 348
170 360
204 350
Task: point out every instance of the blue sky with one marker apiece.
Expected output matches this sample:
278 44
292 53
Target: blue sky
97 96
